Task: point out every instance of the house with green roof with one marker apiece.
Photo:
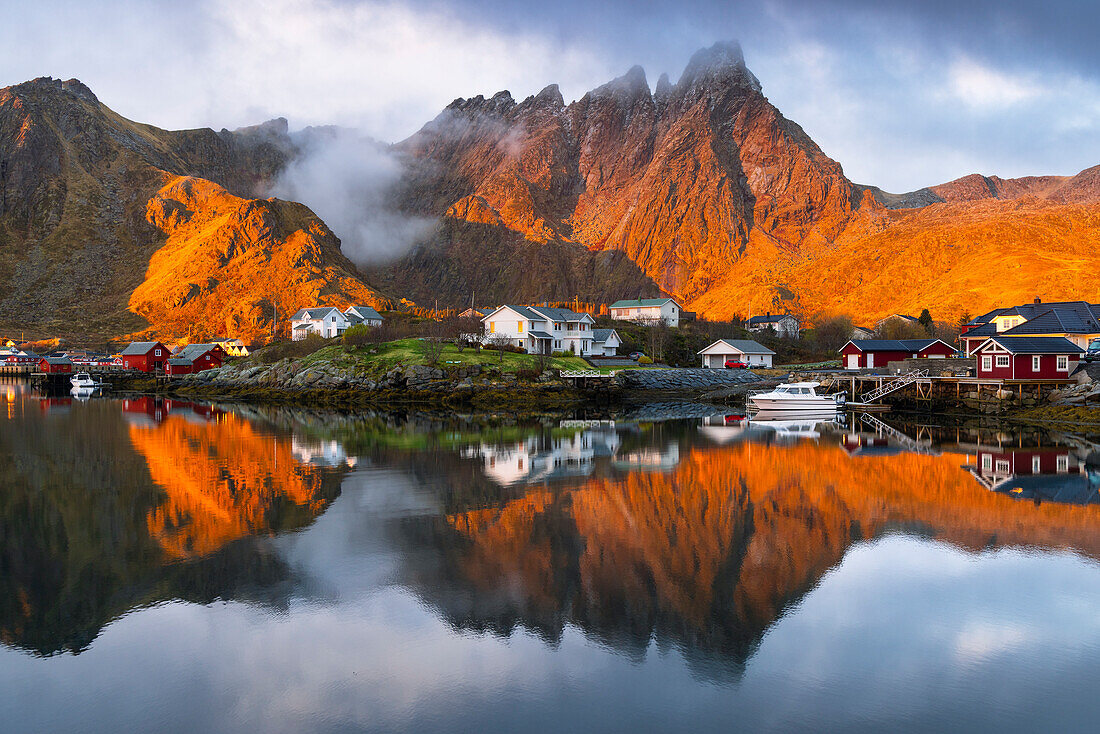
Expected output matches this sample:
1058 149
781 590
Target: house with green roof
647 311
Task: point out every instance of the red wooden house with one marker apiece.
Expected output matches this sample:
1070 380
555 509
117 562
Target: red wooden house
1027 358
195 358
55 365
870 353
145 356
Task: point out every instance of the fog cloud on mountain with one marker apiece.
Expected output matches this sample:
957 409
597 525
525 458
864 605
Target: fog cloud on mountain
349 180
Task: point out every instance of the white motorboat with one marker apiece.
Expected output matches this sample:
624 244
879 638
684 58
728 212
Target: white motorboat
796 396
84 381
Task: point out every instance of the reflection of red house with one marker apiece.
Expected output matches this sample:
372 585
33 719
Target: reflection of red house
145 407
870 353
55 365
1027 358
145 356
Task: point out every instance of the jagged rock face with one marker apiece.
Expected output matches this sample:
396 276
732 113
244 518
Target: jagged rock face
676 179
231 265
76 181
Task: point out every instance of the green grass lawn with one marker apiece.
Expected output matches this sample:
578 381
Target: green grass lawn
379 358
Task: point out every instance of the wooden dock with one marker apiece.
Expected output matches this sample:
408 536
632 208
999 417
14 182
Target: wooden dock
926 389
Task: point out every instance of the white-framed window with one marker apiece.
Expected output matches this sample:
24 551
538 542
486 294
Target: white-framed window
1003 467
1036 464
1036 362
987 461
156 352
1063 463
1002 360
987 362
1063 363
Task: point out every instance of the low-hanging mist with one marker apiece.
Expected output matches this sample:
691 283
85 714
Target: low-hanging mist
348 179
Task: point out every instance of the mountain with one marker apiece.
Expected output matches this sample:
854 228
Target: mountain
109 226
719 200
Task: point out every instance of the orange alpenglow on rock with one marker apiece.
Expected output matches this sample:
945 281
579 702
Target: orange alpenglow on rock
723 203
222 481
230 263
714 551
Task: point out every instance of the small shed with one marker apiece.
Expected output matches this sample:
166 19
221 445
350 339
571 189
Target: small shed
605 342
736 350
1027 358
55 365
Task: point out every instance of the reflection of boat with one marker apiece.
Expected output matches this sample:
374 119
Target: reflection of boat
796 396
793 423
84 381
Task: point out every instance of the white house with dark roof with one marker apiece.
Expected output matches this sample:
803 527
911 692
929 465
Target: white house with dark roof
647 310
327 321
736 350
782 324
362 315
541 329
605 342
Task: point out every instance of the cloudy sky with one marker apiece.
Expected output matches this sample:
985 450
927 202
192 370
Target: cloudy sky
903 94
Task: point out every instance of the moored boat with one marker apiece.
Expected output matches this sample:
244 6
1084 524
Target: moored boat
797 397
84 381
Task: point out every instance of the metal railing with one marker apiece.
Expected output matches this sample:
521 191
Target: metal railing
905 380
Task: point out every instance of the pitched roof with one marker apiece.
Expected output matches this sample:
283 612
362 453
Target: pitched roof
364 312
602 335
57 360
1035 345
559 314
744 346
988 329
316 313
191 352
892 345
640 303
139 348
178 362
521 310
1058 321
539 334
770 319
902 316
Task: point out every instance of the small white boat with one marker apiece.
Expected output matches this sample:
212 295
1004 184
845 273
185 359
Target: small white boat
796 396
84 381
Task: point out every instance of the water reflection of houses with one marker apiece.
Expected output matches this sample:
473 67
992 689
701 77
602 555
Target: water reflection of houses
148 411
318 452
544 457
1053 474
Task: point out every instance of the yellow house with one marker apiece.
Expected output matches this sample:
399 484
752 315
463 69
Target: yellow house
233 347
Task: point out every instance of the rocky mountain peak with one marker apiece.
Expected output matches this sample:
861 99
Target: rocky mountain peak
721 64
629 87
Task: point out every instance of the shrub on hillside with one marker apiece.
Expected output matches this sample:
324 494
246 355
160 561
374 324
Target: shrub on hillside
644 360
293 350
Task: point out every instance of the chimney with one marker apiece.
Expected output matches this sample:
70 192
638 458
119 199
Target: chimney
1038 300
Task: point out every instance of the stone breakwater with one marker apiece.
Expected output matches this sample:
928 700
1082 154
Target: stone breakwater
689 379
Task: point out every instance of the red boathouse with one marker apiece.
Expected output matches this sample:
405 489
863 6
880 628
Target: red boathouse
55 365
145 356
870 353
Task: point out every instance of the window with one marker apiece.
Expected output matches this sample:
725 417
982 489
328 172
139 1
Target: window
156 353
1036 464
1036 362
1063 363
492 327
987 362
519 325
1002 360
1063 463
987 461
557 344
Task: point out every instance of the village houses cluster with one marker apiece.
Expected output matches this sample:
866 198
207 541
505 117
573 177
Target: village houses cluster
1034 341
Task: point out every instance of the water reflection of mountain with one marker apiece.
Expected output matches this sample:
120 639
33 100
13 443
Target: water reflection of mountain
708 555
103 510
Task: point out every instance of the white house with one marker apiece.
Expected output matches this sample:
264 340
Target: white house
605 342
647 310
364 315
327 321
782 324
541 329
736 350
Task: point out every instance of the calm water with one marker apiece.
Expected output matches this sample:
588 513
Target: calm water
173 567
